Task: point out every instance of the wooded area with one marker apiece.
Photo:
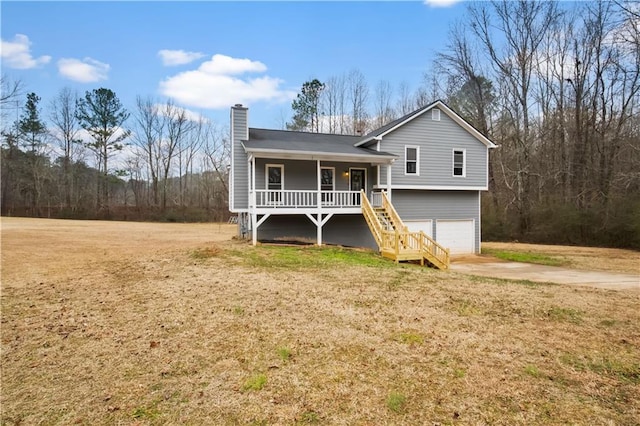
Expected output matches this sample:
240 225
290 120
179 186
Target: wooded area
94 159
555 85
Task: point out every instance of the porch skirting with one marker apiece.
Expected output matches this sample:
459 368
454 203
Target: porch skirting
349 230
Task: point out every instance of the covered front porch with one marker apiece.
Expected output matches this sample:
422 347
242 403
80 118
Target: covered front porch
319 190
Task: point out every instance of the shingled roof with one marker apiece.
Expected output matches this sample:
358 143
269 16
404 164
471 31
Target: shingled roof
301 143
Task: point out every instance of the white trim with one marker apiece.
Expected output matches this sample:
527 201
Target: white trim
417 148
486 173
435 114
464 162
232 183
365 177
479 236
449 112
435 187
266 176
333 181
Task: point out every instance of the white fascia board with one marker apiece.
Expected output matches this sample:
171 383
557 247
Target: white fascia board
435 187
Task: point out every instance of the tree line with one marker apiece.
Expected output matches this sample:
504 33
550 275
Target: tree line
556 86
93 158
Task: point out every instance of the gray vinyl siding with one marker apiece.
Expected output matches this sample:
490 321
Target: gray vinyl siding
240 169
348 230
302 174
437 140
439 205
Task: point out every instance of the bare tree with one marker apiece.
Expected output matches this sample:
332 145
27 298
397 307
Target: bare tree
334 101
524 25
150 127
358 95
66 130
383 112
405 103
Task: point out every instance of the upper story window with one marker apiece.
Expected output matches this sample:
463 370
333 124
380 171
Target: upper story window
435 114
412 160
459 163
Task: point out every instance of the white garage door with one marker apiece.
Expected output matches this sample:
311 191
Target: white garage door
456 235
425 226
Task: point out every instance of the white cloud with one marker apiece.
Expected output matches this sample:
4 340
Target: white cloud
87 70
178 57
223 65
17 53
216 84
441 3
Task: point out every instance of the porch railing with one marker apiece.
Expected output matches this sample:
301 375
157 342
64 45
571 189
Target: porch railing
376 199
263 198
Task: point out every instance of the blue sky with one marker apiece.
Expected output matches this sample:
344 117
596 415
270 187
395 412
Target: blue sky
208 56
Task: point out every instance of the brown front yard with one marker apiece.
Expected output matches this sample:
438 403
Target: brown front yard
138 323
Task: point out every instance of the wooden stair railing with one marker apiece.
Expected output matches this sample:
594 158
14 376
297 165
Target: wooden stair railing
394 239
371 218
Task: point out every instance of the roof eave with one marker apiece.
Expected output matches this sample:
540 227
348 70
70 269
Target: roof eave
318 155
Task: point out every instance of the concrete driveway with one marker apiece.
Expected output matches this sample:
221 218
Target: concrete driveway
549 274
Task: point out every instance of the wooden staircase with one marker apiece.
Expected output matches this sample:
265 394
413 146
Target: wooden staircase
394 239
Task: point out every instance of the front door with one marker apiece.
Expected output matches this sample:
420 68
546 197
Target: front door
357 182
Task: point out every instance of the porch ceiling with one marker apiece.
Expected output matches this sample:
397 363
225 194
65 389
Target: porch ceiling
322 156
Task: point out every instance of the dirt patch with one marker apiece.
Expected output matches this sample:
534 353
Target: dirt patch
134 323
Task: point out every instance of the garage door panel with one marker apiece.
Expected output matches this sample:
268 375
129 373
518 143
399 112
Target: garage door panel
425 226
456 235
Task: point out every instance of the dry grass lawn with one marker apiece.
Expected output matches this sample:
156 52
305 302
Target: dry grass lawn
137 323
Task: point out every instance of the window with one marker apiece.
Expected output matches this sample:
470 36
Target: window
326 178
435 114
275 174
412 160
274 182
327 184
459 163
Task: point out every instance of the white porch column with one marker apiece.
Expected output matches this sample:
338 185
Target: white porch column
253 179
254 217
254 228
319 183
389 181
319 202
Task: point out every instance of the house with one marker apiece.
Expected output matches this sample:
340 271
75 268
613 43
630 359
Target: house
410 189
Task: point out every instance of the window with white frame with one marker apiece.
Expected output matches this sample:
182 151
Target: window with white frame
412 160
459 163
327 184
274 181
435 114
275 177
327 178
